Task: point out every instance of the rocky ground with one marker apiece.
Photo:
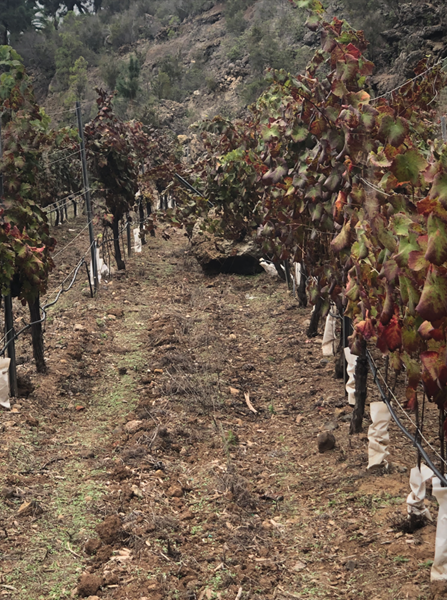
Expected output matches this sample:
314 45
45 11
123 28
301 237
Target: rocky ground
171 450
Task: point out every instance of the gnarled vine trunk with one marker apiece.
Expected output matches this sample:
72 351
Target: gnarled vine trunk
116 245
361 391
312 330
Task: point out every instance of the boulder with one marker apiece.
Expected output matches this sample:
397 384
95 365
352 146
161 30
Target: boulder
218 255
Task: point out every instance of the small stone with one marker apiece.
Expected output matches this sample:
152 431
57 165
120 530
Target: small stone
350 565
132 426
186 516
326 441
232 336
7 492
89 585
330 426
111 578
29 508
137 492
175 491
78 327
111 317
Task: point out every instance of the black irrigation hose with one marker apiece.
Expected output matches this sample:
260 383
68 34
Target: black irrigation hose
191 188
404 430
44 309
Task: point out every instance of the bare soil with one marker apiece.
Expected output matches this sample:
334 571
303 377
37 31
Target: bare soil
135 469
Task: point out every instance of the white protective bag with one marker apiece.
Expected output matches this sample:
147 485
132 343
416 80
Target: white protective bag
329 336
4 382
137 240
378 436
439 567
351 360
101 267
415 500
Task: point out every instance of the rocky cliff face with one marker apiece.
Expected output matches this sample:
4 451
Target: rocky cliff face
218 70
420 29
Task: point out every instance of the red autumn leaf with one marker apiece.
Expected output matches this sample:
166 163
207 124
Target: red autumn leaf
428 332
411 403
366 328
355 52
393 334
388 306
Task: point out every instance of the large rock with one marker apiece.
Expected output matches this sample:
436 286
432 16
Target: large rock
218 255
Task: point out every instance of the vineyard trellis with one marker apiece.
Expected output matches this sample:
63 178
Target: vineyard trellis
352 186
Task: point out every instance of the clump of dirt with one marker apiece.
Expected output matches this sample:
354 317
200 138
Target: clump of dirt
92 546
110 529
89 585
120 472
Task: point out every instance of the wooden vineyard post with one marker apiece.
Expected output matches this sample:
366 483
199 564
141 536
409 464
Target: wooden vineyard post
87 197
9 321
361 391
129 240
10 334
37 335
1 175
444 129
287 274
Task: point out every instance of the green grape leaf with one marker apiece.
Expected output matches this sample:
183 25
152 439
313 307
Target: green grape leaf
393 130
433 302
437 241
439 188
342 239
407 167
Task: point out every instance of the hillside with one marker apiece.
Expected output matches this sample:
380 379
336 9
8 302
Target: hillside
172 68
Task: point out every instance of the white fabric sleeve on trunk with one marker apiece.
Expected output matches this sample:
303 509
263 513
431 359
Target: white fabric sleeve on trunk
415 500
378 436
4 382
329 336
351 359
439 567
297 274
99 267
137 240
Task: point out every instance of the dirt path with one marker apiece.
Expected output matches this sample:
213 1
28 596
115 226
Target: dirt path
136 467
